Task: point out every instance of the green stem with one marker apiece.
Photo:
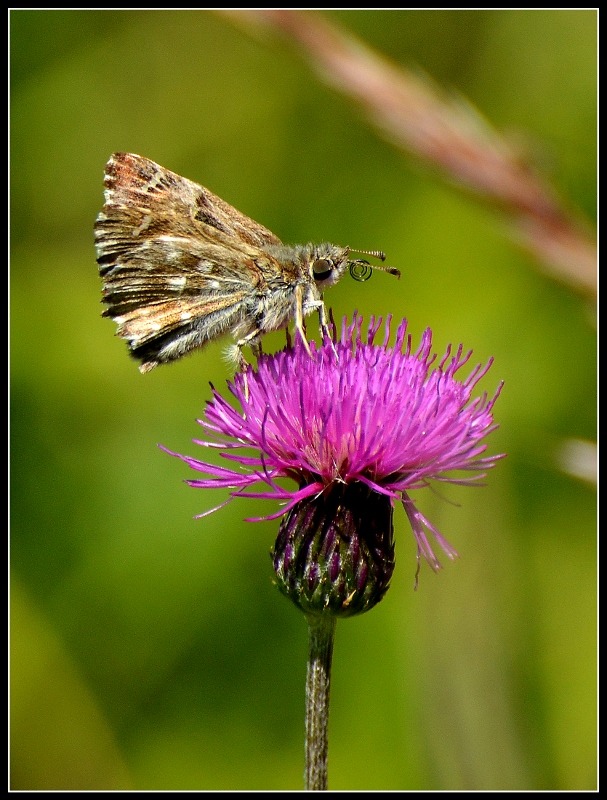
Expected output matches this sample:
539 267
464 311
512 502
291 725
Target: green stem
321 635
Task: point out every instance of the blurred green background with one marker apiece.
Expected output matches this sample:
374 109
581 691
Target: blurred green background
151 650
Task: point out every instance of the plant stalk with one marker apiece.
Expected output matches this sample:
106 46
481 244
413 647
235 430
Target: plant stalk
321 633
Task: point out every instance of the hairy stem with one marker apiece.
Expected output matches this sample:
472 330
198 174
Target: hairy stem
321 632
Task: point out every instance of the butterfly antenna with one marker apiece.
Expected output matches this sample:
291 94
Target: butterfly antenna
361 270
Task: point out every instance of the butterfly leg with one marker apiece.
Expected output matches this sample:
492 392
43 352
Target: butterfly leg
236 355
253 339
325 330
299 317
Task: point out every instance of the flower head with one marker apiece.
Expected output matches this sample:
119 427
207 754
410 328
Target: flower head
360 419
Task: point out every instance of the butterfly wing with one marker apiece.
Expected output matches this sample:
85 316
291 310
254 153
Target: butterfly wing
134 182
178 262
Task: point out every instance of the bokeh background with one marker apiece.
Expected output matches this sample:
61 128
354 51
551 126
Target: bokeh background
151 650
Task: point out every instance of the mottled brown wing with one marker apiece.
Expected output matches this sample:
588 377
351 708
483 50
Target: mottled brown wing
185 207
142 326
177 262
160 236
168 266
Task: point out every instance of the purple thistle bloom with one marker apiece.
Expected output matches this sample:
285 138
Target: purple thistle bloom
374 416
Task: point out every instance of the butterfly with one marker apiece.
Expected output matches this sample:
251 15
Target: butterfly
181 267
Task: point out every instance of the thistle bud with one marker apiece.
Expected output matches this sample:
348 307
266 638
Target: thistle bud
335 552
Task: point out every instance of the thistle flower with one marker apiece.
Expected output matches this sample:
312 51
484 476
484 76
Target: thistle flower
357 426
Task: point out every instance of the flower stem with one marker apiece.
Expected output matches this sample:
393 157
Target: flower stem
321 633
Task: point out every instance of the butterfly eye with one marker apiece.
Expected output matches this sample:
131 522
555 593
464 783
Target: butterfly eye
322 268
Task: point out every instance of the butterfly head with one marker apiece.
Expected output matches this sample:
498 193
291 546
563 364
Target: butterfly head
328 262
